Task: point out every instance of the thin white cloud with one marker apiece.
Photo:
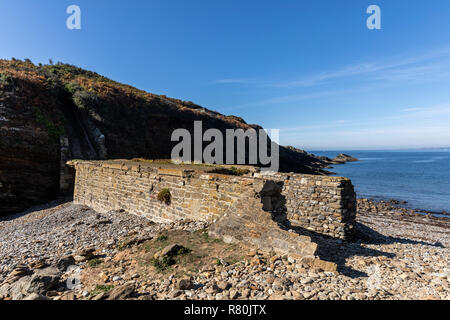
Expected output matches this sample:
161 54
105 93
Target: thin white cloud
437 112
410 109
433 72
399 68
427 112
406 135
234 81
313 80
294 98
411 127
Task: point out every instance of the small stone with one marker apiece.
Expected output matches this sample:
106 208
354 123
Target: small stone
223 285
325 265
274 259
256 261
19 271
38 264
233 294
121 292
65 262
104 277
170 250
36 296
116 278
245 293
176 293
69 296
80 258
404 276
100 296
184 284
51 293
270 279
213 289
86 252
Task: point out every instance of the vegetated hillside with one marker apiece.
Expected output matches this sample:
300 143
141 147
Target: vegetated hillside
102 119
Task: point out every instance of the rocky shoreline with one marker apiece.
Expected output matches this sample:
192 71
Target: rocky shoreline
396 255
397 207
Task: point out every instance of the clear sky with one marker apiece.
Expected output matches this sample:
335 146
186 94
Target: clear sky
310 68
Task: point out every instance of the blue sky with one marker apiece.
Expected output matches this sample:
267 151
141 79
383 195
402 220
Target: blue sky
310 68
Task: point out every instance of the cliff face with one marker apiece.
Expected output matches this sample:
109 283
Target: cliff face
101 118
29 148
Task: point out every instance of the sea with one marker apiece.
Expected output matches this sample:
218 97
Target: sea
419 177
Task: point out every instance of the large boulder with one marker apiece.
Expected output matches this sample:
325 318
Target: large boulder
17 290
43 280
65 262
36 284
121 292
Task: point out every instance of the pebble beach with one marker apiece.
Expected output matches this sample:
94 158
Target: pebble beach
394 256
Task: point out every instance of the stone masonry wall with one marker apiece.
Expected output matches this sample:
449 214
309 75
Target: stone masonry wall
261 203
322 204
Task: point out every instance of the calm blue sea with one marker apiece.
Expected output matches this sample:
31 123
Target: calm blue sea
422 178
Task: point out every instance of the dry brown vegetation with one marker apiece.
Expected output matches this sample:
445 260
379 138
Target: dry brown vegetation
201 251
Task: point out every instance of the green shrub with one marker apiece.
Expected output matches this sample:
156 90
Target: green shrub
84 99
101 288
53 130
233 171
5 79
183 251
162 238
165 196
123 245
72 87
94 262
163 264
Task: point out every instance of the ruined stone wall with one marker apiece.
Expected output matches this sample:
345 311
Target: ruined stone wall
321 204
135 188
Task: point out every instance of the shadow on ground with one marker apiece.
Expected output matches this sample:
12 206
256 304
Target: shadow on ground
330 249
339 251
46 206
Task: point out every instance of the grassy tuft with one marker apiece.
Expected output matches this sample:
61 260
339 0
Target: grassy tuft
162 238
101 288
165 196
94 262
233 171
